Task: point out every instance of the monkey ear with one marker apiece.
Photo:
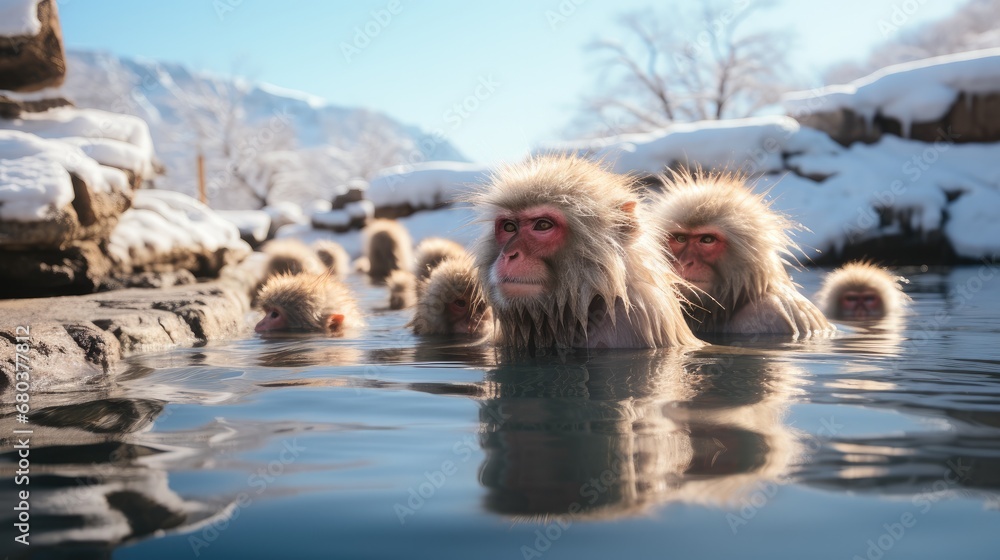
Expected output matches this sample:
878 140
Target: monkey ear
630 227
334 322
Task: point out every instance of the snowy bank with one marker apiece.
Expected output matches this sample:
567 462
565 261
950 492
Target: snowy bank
958 93
424 185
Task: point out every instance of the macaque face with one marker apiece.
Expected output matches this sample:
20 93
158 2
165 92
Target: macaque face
698 252
275 319
465 317
861 304
528 240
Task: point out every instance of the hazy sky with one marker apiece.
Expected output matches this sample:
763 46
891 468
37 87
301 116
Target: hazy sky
527 68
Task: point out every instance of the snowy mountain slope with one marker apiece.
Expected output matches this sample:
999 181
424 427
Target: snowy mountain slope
262 143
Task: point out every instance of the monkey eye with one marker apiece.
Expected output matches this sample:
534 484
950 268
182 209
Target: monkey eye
509 226
543 225
460 302
851 299
708 239
869 299
680 237
273 314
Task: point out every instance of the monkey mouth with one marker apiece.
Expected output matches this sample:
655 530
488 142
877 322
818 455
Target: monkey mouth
510 287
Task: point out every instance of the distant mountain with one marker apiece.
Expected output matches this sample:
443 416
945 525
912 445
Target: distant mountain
262 143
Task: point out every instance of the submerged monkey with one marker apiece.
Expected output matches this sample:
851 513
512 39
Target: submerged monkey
860 291
308 302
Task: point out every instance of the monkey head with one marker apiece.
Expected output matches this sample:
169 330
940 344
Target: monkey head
560 228
452 301
303 303
861 291
724 238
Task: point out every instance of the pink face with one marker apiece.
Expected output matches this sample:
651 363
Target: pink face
464 317
861 304
697 252
527 240
274 320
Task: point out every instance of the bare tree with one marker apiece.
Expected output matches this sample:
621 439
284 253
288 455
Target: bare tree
244 158
373 144
707 65
973 26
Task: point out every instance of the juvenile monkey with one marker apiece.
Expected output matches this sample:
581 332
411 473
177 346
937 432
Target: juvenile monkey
569 262
404 287
290 256
862 290
731 246
333 256
452 302
387 247
432 251
307 302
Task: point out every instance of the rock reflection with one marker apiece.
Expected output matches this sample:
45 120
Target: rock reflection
616 434
89 484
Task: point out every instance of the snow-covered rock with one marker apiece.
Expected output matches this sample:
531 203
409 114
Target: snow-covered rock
167 230
31 51
956 95
254 225
398 191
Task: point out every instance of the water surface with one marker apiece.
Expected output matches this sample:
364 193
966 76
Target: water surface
879 443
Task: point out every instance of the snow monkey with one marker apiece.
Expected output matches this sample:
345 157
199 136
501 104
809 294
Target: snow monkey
307 302
387 247
731 246
451 301
432 251
333 256
862 290
405 288
290 256
569 260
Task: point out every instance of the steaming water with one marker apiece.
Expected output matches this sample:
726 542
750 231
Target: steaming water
876 444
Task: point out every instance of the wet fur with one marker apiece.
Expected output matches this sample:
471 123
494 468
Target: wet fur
859 276
333 256
451 279
309 299
613 286
756 295
387 247
402 289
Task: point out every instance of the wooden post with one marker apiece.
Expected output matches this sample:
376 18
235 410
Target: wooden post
202 195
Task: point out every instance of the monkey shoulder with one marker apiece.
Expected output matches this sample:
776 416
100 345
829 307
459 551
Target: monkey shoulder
784 312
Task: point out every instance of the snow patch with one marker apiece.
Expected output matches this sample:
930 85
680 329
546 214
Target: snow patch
19 18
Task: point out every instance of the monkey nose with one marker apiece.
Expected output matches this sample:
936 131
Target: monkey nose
513 255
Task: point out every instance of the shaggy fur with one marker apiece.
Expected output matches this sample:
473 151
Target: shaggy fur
858 276
431 252
308 301
453 278
290 256
756 295
388 247
333 256
612 285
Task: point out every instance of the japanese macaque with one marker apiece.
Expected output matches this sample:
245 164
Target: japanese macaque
402 289
731 247
290 256
333 256
570 262
860 291
308 302
431 252
452 302
387 247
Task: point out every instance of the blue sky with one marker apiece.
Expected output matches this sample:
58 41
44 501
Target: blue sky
521 74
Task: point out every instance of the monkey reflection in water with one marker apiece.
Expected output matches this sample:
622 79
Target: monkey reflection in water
617 435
